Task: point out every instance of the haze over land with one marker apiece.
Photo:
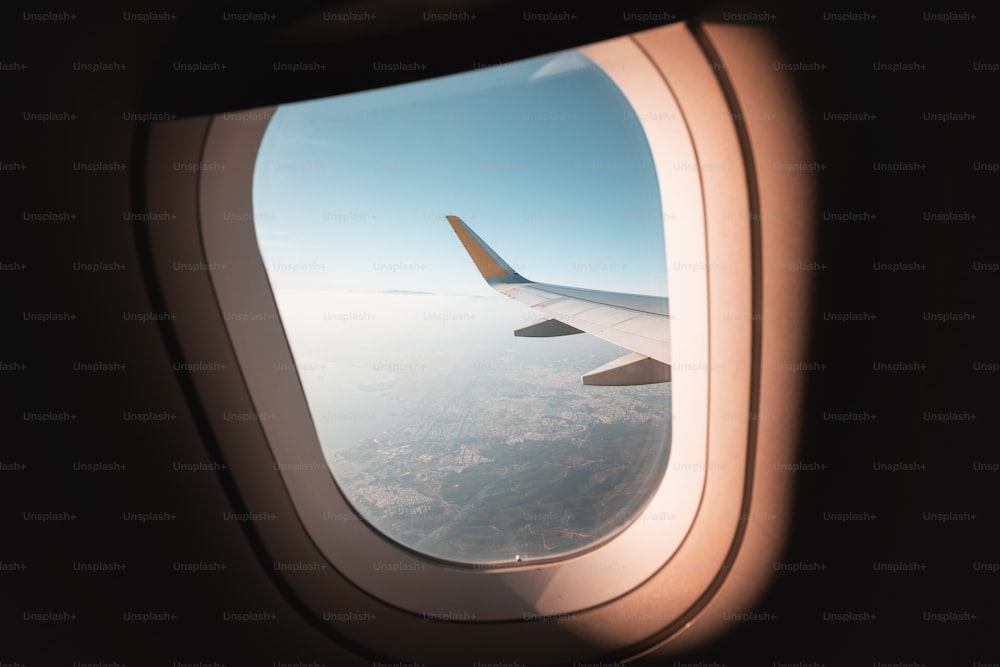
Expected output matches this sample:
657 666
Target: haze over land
511 457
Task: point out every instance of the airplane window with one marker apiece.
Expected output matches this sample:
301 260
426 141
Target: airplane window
383 219
521 460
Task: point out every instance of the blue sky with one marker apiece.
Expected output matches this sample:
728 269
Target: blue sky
544 159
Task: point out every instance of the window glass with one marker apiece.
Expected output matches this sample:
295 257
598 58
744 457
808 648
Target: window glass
444 431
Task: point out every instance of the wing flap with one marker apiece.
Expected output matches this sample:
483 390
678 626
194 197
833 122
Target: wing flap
631 369
546 329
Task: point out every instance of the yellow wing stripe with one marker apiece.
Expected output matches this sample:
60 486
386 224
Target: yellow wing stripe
484 262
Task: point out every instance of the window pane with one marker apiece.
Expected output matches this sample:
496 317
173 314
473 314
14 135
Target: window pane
445 431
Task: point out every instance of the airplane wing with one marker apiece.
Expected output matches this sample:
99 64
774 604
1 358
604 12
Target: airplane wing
636 322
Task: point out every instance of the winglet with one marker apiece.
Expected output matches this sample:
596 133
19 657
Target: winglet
490 264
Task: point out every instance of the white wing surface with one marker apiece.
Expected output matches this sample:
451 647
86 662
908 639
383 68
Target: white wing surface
636 322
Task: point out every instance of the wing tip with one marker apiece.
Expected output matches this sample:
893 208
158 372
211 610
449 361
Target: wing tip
492 267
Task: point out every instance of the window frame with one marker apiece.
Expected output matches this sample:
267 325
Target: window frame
237 406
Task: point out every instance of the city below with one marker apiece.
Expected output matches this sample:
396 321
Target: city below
509 464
